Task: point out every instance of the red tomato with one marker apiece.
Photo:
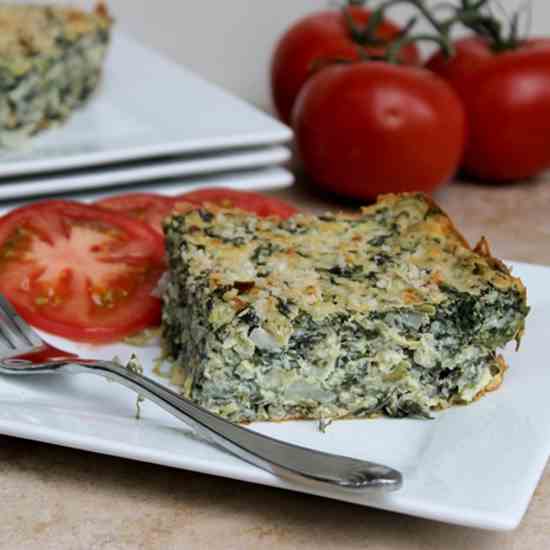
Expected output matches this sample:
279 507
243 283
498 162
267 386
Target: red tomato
507 102
470 54
371 128
323 36
256 203
80 272
146 207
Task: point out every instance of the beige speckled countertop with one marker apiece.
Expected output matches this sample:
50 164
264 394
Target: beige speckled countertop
56 498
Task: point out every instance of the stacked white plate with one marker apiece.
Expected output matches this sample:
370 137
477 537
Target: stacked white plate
153 124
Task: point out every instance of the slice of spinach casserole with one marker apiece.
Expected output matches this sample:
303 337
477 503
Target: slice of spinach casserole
384 312
50 62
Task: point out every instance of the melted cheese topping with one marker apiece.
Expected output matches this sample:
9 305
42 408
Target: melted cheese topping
32 30
398 253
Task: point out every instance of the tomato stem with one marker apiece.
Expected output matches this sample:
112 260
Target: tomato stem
395 47
475 15
363 36
367 35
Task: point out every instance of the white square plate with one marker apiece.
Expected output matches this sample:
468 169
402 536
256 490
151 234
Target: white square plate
259 179
137 113
476 465
141 171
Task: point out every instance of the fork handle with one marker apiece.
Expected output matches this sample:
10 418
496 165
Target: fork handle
275 456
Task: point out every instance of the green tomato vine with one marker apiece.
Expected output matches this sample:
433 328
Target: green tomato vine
478 16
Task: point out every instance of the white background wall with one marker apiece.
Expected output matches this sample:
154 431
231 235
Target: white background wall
230 41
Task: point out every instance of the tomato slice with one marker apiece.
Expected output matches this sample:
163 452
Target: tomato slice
261 205
79 271
146 207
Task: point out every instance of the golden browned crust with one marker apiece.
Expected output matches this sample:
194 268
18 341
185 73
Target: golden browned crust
427 218
102 11
502 366
482 248
440 215
30 30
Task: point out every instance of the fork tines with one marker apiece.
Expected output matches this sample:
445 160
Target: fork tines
15 334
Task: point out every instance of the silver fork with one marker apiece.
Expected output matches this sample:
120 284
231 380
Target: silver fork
23 352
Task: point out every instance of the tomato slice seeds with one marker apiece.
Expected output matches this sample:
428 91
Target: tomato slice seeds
79 271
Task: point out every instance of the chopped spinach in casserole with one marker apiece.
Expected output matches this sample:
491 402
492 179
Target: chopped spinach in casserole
50 63
384 312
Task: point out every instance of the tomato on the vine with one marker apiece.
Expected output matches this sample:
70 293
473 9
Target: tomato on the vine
368 128
506 96
323 37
